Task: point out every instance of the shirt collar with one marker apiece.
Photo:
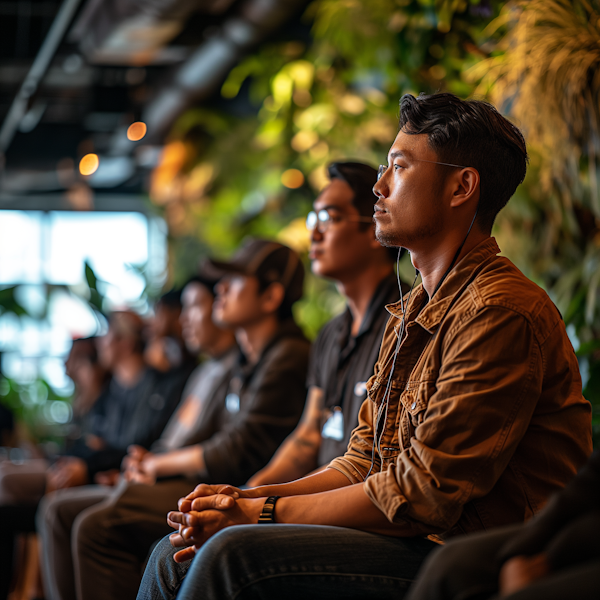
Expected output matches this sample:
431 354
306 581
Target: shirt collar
433 312
383 291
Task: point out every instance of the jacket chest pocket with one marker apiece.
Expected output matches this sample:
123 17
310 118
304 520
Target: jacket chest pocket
414 401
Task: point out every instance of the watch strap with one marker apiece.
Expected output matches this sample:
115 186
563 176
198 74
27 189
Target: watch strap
267 514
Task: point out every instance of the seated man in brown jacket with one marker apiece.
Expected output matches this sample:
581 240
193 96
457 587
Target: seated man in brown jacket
474 414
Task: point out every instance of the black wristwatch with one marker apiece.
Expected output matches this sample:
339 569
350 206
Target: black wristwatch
268 512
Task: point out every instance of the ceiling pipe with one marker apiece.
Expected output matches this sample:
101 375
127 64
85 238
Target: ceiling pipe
205 70
35 75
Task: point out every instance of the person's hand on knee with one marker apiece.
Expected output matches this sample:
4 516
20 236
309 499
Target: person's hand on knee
205 490
520 571
67 472
210 515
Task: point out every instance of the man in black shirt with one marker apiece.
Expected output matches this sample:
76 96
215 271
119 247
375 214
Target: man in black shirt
344 249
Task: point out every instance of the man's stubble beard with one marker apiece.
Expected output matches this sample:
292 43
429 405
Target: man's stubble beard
397 239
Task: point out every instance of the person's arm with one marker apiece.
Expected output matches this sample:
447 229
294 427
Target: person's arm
176 462
346 507
297 456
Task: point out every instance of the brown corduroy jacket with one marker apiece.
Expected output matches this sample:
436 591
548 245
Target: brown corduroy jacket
486 416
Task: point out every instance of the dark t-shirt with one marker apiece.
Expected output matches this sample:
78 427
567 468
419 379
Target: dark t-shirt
135 415
260 407
341 364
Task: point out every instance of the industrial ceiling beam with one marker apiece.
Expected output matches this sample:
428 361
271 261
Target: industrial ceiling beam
35 75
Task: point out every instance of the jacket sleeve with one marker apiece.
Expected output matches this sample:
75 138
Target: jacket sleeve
276 396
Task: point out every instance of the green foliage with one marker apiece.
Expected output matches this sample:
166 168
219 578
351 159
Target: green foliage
95 299
36 407
8 302
337 98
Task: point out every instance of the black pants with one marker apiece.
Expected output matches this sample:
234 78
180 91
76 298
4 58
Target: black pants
467 569
96 540
13 520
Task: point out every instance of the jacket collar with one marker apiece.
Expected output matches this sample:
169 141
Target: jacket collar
434 311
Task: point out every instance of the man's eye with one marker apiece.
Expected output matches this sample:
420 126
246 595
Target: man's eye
396 167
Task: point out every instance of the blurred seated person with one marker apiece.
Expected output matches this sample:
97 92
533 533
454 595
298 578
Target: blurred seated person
134 409
23 484
237 411
26 482
344 249
553 556
165 349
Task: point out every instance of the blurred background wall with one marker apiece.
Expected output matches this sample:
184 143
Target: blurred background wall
139 135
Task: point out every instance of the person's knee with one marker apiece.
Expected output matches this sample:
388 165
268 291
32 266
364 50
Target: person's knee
48 512
90 529
232 549
162 576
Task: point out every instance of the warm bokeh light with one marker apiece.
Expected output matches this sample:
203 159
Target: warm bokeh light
136 131
292 178
89 164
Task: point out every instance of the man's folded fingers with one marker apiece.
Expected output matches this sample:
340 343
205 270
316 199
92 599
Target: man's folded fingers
216 502
184 504
184 555
177 541
176 518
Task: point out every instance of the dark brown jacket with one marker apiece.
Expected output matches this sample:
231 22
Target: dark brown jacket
486 417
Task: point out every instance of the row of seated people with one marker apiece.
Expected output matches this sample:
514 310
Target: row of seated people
240 405
425 457
127 385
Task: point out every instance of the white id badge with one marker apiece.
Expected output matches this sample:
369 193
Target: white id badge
334 426
360 389
232 403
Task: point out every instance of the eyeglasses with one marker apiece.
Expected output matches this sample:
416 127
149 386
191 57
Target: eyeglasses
383 168
322 219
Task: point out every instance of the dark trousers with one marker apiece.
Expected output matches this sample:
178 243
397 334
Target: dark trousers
287 561
13 520
467 569
96 539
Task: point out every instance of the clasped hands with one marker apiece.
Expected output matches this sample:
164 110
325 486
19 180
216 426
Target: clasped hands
207 510
138 466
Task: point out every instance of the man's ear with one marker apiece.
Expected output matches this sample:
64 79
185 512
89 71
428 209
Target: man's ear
272 297
466 187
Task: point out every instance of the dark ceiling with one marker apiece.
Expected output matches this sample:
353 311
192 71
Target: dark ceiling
74 74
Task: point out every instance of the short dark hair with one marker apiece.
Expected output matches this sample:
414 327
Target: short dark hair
474 134
87 347
170 299
361 178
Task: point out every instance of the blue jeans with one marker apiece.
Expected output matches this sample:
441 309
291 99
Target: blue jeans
287 561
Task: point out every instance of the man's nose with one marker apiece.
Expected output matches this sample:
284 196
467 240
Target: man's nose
315 234
380 189
222 287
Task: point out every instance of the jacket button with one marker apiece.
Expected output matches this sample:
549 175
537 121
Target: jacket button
413 406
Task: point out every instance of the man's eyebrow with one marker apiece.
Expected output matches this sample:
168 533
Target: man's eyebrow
330 207
400 154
